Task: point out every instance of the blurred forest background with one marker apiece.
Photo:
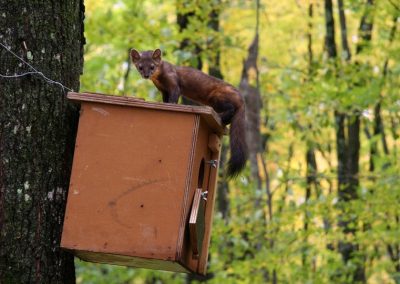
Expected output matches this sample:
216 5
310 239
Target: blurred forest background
319 199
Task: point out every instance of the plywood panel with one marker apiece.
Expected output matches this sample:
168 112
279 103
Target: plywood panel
128 181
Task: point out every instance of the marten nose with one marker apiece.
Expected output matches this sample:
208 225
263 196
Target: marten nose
146 76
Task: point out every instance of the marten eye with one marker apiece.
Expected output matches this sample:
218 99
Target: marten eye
140 68
152 67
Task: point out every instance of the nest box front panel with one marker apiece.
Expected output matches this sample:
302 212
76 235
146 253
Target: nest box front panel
128 181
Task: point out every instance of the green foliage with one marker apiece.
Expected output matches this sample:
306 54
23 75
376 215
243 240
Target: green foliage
91 273
299 242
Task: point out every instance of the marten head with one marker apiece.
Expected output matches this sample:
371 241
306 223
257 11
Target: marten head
146 62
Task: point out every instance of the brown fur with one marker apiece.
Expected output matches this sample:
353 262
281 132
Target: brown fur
174 81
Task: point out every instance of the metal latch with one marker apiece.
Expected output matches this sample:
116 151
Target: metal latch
213 163
204 195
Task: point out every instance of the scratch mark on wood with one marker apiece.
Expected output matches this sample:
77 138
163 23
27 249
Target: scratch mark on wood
112 204
101 111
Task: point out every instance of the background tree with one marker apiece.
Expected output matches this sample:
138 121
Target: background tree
190 20
37 136
250 89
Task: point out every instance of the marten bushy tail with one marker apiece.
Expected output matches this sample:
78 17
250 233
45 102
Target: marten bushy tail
238 144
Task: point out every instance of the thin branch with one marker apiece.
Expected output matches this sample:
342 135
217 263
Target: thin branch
394 5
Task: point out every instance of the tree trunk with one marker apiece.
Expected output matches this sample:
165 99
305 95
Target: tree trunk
252 97
330 44
393 249
379 129
366 25
341 147
348 189
37 136
215 70
250 89
347 151
311 162
340 118
343 29
183 19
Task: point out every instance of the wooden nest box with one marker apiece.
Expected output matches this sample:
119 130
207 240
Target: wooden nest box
143 183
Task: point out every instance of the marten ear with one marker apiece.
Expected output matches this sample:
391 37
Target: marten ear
135 55
157 54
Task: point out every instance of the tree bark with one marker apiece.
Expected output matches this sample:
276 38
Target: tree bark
37 136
